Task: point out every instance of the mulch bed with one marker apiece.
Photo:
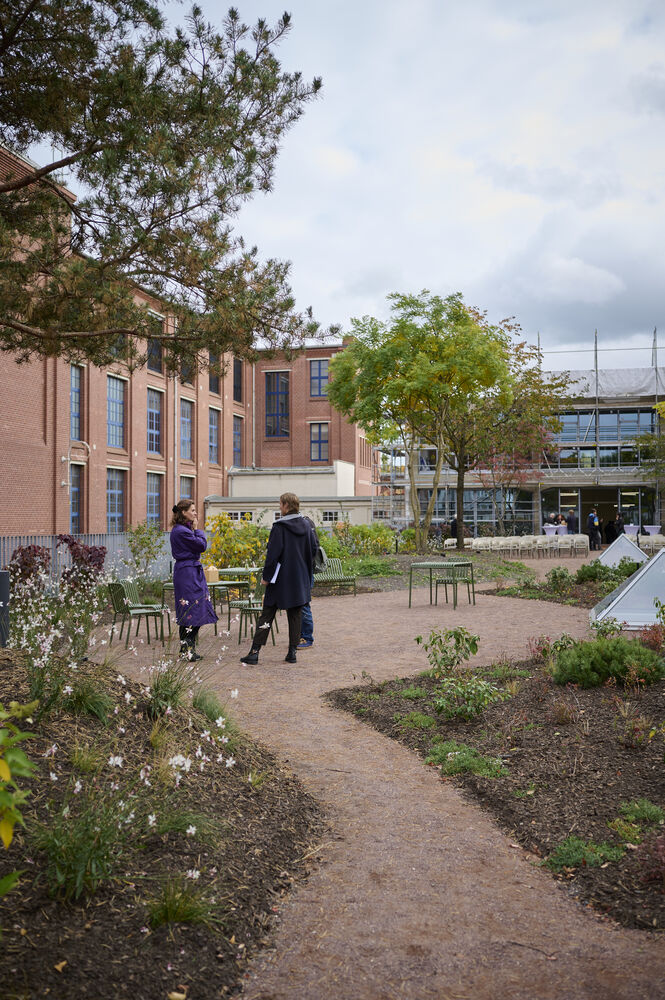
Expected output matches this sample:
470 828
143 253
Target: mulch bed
569 771
102 947
581 595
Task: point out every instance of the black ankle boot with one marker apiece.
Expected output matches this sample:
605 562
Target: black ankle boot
291 655
252 657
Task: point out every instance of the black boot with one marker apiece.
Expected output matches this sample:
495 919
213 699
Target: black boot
252 657
291 655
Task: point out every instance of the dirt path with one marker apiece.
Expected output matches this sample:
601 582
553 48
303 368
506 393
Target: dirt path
418 894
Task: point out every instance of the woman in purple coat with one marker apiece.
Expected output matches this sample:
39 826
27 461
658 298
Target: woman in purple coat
192 599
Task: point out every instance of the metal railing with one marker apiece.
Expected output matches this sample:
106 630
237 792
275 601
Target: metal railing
117 562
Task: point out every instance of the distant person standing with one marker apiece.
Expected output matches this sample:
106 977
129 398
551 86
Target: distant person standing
572 523
307 623
620 525
193 607
593 529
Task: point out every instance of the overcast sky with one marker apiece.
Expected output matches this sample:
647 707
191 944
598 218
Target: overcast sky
508 149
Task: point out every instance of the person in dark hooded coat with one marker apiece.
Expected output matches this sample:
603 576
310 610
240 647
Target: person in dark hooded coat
287 575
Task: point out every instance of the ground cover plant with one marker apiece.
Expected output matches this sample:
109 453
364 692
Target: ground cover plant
147 842
573 773
586 587
155 849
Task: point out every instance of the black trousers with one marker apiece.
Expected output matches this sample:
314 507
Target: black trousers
268 612
188 634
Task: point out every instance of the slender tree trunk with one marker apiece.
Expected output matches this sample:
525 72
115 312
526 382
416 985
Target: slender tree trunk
461 471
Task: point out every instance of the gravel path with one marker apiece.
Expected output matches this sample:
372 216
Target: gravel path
418 894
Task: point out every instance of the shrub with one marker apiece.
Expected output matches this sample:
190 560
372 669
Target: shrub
364 539
457 758
574 852
169 683
591 664
559 578
462 698
653 637
28 561
234 543
145 542
447 649
369 566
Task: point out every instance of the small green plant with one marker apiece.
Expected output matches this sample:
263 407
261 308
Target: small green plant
457 758
591 664
256 779
203 828
170 682
85 848
415 720
607 627
642 811
573 852
447 649
180 901
463 698
504 672
523 793
565 709
412 693
627 832
86 697
88 758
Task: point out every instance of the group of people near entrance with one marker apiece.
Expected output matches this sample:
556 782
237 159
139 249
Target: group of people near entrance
288 576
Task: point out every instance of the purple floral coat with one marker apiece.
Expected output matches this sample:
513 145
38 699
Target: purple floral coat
192 598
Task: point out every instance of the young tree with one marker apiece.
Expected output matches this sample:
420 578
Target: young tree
167 134
397 380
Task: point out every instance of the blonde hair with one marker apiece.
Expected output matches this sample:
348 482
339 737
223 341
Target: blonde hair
291 502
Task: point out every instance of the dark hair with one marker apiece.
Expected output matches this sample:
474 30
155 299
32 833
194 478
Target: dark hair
179 510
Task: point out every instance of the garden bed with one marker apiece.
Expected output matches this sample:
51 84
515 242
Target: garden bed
230 838
572 764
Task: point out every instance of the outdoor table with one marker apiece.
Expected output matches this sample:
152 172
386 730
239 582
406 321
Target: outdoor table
562 529
652 529
432 567
550 529
631 529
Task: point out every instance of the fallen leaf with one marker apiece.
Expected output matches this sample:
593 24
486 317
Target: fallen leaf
177 996
59 966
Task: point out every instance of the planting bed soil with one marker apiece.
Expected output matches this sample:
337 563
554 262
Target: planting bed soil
581 595
575 761
103 946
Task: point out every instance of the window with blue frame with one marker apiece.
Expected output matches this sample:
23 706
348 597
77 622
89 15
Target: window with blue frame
154 422
75 384
186 421
115 501
318 442
115 412
154 499
277 404
213 437
318 377
213 373
237 441
75 495
187 487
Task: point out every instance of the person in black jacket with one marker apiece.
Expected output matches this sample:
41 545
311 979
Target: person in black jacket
287 575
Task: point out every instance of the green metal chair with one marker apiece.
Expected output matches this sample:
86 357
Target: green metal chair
127 611
134 598
249 610
452 576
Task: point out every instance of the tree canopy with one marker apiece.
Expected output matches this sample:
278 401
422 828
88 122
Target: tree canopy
439 373
166 132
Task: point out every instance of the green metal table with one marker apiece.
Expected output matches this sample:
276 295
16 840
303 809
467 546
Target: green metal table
431 567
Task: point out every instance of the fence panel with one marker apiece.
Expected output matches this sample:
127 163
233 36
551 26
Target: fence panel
117 552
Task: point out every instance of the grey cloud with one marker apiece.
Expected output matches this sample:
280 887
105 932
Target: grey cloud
554 184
